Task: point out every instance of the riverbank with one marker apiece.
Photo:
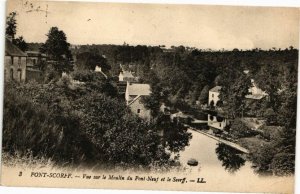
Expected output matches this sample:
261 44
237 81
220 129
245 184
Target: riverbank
231 144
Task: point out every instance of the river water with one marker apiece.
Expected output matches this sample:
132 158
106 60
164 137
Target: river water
224 167
210 153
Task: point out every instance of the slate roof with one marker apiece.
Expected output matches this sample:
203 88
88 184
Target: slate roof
13 50
138 89
215 89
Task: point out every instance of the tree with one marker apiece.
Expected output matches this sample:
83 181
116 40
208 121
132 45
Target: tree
203 98
21 43
269 79
219 103
89 60
95 82
120 137
153 101
262 157
69 125
240 130
11 25
278 155
11 30
57 48
236 87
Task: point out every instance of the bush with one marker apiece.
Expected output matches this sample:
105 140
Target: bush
120 137
240 130
283 164
270 115
58 122
271 132
95 81
36 129
262 157
278 156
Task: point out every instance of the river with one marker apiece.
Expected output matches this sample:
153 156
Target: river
210 153
224 167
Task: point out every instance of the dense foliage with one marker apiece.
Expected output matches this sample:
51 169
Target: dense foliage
82 123
239 129
89 60
45 130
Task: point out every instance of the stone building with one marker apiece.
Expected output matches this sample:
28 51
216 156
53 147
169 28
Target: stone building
133 96
14 62
35 62
34 58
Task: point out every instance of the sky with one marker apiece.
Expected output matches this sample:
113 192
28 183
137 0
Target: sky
201 26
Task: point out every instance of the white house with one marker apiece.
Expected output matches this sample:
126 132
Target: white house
213 95
217 122
255 92
133 95
126 76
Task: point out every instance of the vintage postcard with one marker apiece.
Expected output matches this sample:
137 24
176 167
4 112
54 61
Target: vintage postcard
150 96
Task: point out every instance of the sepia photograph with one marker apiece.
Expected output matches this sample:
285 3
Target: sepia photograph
181 97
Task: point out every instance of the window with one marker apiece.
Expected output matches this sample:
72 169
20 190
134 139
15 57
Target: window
138 111
12 60
212 95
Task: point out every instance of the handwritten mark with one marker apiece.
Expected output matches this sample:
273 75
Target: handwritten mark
32 8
